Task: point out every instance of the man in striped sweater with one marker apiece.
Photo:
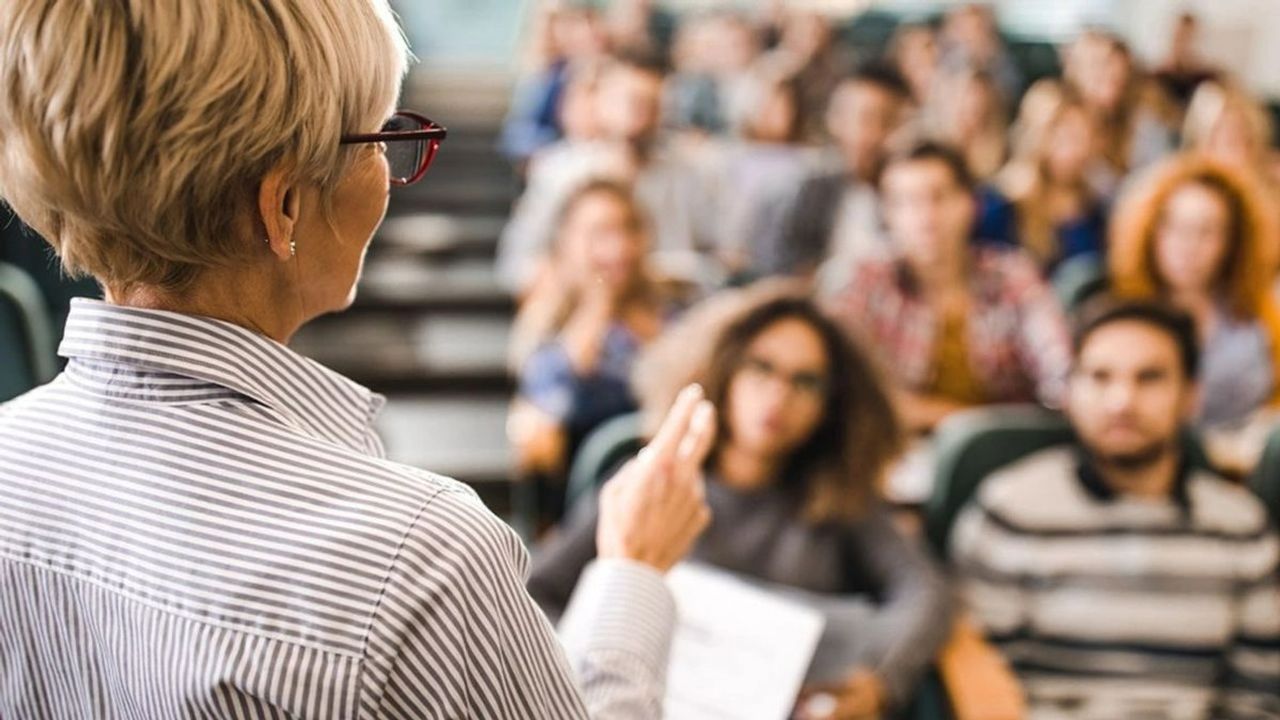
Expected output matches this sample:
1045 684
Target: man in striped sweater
1120 580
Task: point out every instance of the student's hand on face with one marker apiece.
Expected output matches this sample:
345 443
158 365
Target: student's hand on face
861 696
655 507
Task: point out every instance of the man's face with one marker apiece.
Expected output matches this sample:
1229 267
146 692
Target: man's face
929 213
1128 394
862 116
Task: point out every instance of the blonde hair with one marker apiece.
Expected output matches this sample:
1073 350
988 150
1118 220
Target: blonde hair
134 134
1025 178
1210 102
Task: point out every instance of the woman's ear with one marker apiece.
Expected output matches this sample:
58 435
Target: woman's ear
279 206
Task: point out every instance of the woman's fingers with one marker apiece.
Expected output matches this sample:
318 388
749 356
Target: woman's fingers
662 451
698 439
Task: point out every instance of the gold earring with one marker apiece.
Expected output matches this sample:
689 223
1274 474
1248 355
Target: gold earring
293 248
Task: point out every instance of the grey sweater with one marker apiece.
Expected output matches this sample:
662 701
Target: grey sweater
886 605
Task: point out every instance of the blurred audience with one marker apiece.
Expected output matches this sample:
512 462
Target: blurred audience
967 111
835 214
640 26
672 187
1056 214
915 52
564 36
898 197
1183 67
580 330
807 50
1203 235
956 324
806 433
1120 579
1224 121
970 39
712 59
1100 67
764 161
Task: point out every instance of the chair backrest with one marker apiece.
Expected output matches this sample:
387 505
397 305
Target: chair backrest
601 452
1078 279
26 340
971 445
27 354
1265 479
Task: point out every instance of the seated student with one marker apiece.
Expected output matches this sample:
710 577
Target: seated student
835 213
956 324
1227 122
1200 233
1120 580
576 337
1101 67
670 184
966 110
806 433
762 162
1053 213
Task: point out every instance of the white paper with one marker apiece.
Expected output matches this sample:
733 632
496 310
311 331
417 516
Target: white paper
739 652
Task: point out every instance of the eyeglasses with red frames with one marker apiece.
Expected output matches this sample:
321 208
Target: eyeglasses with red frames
412 143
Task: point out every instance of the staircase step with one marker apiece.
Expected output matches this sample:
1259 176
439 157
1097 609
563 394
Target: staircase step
462 437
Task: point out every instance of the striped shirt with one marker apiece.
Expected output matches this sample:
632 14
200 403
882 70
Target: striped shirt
1112 606
195 522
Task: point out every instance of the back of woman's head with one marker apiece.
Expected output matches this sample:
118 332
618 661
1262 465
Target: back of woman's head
133 134
839 466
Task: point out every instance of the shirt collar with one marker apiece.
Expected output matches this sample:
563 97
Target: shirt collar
1097 488
302 392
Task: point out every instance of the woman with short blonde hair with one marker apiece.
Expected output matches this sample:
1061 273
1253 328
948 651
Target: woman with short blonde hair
195 521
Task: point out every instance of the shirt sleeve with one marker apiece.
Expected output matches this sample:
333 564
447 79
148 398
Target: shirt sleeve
914 616
457 635
617 632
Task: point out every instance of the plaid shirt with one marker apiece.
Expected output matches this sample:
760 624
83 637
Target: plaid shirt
1018 347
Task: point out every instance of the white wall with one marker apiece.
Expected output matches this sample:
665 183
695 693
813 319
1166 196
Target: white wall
1241 35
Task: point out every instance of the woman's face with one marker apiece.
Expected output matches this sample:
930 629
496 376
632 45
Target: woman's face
331 250
777 397
601 241
1071 143
918 58
1192 239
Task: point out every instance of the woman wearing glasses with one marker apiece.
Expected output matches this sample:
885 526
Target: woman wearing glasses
194 520
807 431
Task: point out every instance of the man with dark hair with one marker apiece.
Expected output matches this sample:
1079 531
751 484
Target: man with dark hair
1120 579
955 324
836 212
